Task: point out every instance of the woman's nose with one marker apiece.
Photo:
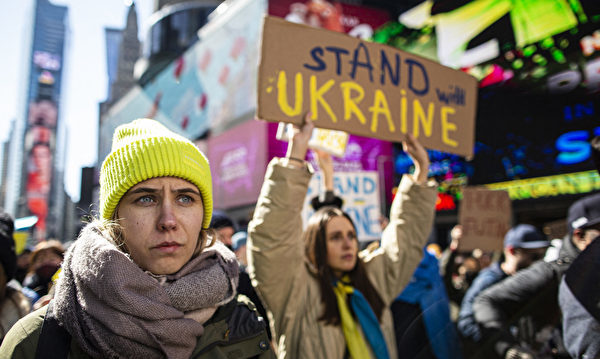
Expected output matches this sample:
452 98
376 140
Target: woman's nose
347 241
167 220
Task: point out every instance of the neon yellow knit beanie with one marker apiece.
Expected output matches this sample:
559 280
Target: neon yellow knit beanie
144 149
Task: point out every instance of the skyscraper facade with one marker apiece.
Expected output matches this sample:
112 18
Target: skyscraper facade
34 185
122 51
113 42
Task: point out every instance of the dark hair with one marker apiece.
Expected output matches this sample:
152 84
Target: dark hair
329 199
221 220
315 242
52 245
8 257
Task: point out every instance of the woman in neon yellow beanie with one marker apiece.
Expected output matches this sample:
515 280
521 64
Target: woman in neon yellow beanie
147 279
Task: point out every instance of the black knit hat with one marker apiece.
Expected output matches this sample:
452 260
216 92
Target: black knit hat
221 220
329 199
584 213
8 257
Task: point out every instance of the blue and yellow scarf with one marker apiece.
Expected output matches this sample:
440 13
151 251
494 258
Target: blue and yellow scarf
366 319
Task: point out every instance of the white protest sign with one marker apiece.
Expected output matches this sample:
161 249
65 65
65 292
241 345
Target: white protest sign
360 192
331 141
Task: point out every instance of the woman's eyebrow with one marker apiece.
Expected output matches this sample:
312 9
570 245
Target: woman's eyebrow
156 190
143 190
187 190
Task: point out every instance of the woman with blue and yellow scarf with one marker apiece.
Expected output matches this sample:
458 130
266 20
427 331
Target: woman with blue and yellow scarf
324 298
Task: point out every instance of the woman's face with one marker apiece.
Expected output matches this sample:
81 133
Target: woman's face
161 219
342 245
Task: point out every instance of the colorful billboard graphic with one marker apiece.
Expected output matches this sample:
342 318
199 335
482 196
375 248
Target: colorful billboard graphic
210 85
357 21
542 46
227 60
536 62
40 138
237 159
550 186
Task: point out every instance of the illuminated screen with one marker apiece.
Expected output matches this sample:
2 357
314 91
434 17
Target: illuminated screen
538 66
526 136
533 46
518 137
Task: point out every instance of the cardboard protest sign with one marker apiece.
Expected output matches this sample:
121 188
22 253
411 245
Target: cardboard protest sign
485 217
330 141
363 88
360 192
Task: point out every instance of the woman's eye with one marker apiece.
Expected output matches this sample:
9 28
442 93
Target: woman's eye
145 200
185 199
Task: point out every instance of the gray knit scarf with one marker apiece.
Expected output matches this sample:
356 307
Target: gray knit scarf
113 309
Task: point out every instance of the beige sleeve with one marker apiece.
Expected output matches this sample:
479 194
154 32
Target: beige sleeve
391 266
275 248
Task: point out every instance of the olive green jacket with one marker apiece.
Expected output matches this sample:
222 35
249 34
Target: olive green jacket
227 334
286 281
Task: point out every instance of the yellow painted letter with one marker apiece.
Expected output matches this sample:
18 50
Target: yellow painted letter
316 97
403 106
448 126
351 104
282 99
380 106
419 116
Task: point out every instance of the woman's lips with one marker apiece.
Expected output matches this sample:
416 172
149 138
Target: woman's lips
348 257
168 247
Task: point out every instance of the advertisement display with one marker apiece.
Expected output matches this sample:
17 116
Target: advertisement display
40 140
536 63
538 45
227 58
39 146
356 21
237 160
211 84
360 192
550 186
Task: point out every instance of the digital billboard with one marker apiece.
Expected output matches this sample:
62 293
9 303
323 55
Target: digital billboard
537 63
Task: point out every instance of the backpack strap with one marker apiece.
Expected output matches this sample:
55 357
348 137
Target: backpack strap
54 341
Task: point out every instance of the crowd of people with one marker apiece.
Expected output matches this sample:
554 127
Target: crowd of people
160 274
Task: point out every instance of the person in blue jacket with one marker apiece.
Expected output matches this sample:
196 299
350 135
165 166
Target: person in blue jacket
422 316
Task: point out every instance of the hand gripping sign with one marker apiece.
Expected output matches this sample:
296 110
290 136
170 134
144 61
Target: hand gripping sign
363 88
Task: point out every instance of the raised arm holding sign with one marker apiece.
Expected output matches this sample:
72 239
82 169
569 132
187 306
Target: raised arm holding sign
305 276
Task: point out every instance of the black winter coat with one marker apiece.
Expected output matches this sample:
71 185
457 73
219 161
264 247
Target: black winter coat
527 302
579 297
